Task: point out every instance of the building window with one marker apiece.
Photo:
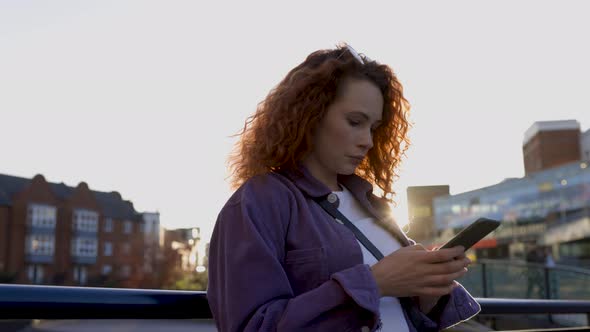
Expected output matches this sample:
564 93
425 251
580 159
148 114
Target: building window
126 248
106 269
39 244
108 249
85 221
125 271
42 216
80 274
108 225
35 273
149 227
127 227
84 247
147 268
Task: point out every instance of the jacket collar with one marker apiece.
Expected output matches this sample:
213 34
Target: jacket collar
360 188
313 187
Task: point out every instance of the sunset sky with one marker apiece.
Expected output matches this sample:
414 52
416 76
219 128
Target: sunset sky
142 97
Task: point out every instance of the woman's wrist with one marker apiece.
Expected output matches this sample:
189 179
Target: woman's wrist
427 303
378 280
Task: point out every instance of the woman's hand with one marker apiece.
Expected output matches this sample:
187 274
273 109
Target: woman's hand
427 303
415 271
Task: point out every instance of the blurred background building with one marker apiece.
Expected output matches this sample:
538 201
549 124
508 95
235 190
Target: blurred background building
421 211
185 259
54 234
549 207
549 144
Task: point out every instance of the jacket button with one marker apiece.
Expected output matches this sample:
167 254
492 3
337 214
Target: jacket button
332 198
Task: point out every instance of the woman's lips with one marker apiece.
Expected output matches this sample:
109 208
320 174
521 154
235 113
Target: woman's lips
357 159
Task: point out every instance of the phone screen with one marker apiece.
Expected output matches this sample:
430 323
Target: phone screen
472 233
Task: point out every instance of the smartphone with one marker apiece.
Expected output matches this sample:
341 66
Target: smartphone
471 234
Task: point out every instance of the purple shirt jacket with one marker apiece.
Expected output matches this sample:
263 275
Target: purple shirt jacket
279 262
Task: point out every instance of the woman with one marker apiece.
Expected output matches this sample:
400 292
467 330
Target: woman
333 129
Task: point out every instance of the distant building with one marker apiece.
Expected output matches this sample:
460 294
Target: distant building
55 234
586 145
152 250
550 207
549 144
420 211
183 253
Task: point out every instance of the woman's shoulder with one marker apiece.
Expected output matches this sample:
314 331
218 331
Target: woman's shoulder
268 187
261 199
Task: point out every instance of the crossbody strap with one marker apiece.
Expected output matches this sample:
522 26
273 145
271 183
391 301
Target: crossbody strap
412 310
336 214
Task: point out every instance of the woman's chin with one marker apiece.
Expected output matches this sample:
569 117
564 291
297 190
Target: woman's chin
347 170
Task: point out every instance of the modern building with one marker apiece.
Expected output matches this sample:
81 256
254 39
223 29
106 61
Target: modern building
550 207
421 211
51 233
549 144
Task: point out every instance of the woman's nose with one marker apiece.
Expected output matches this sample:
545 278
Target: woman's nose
367 140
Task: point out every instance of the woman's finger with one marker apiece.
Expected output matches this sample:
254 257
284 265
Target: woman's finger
443 255
444 279
436 291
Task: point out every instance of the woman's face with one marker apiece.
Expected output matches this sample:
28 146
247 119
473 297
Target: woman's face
345 134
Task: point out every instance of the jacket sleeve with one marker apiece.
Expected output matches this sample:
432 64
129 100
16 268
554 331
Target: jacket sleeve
248 288
451 309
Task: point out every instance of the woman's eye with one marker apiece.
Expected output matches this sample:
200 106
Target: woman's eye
354 123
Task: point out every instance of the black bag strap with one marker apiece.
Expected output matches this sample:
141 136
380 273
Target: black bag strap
412 311
338 216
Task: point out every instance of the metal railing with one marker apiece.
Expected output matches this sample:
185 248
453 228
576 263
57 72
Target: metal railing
514 279
57 302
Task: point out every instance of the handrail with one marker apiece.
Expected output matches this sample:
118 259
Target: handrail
504 306
57 302
557 267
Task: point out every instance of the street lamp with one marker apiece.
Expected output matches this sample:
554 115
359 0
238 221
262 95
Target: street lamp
561 203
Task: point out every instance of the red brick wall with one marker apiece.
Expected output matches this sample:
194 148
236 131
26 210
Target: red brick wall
134 258
39 192
550 149
4 212
16 249
81 198
13 230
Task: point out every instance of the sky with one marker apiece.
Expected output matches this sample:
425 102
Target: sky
144 97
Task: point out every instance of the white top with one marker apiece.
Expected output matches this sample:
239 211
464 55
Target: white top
392 316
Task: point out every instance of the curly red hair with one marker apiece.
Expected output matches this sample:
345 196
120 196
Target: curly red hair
278 135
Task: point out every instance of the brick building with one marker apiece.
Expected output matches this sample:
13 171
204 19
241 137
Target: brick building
549 144
55 234
585 141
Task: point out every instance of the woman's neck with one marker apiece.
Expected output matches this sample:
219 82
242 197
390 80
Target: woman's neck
321 173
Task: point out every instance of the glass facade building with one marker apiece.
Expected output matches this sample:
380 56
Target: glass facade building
559 194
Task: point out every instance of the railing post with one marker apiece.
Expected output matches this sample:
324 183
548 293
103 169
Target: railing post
484 282
547 290
547 283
